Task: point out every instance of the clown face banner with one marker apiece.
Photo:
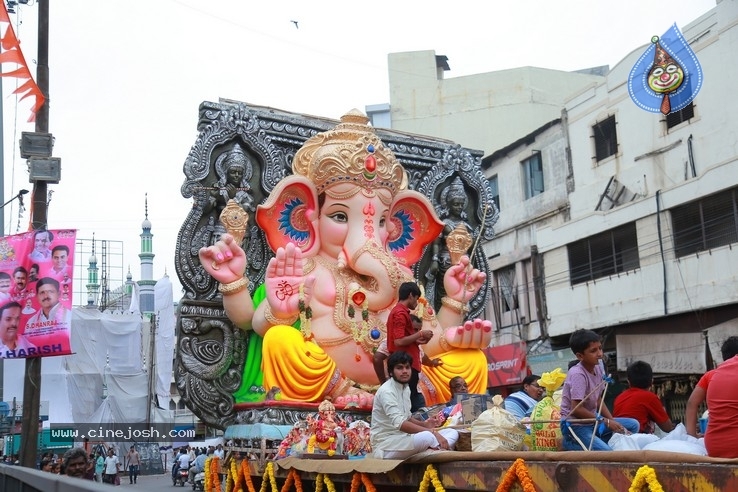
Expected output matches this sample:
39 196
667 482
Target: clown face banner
668 76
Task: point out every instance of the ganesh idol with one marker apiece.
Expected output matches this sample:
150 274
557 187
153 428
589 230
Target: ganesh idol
345 230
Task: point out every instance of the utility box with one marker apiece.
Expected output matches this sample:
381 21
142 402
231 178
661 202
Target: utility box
44 169
36 144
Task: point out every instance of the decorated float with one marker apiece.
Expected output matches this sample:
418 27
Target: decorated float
300 233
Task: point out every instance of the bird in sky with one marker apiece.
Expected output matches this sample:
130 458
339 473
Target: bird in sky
295 23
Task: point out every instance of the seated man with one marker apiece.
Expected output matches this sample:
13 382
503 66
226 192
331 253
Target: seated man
181 461
197 466
394 433
640 403
522 402
458 386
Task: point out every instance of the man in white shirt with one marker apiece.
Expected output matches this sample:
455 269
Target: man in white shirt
112 467
219 451
47 294
395 434
5 283
41 242
182 462
59 256
10 342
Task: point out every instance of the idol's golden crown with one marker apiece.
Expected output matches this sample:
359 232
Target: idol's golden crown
349 153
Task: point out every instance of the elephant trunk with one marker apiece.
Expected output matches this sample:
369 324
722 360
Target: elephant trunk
369 259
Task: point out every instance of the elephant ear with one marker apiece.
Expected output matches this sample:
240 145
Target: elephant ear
290 215
414 226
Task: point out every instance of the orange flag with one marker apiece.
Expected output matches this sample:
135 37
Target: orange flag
10 53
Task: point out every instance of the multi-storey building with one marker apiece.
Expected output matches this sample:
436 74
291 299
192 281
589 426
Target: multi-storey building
611 218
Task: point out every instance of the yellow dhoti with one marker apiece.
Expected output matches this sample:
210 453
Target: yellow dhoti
302 370
305 372
470 364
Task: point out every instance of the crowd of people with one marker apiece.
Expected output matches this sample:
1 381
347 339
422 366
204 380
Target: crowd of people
193 459
587 421
99 466
74 463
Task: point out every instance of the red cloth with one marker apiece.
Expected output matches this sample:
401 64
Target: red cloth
642 405
722 401
704 381
399 325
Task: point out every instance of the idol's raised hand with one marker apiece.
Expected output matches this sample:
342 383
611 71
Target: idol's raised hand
284 275
225 261
462 281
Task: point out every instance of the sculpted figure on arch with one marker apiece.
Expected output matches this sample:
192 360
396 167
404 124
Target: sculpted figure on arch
345 229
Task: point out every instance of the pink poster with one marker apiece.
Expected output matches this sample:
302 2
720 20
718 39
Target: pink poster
36 274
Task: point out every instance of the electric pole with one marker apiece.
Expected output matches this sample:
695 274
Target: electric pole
32 381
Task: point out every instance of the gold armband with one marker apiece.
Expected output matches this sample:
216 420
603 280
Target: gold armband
278 321
234 287
455 305
444 343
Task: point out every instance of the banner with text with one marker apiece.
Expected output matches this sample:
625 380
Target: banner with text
36 274
506 364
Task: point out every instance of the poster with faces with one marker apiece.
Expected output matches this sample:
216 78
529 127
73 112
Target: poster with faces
36 275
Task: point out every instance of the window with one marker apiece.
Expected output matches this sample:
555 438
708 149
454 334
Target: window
495 191
533 175
677 117
605 139
508 289
604 254
705 224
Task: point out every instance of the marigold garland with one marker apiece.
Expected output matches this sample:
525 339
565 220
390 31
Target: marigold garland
518 471
229 481
645 476
214 476
306 314
362 478
321 479
247 475
208 482
292 477
233 481
431 477
269 478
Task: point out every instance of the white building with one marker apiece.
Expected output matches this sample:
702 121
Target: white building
661 261
483 111
611 218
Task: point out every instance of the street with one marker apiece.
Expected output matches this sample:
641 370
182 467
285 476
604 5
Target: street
151 483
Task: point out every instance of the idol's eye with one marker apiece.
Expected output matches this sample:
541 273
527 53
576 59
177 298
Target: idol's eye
657 71
338 217
672 69
382 221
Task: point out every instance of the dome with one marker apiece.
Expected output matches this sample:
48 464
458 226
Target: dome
93 258
146 224
129 277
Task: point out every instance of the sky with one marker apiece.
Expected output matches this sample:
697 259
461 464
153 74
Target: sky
127 78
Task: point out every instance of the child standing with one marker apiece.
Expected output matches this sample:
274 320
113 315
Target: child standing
582 392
